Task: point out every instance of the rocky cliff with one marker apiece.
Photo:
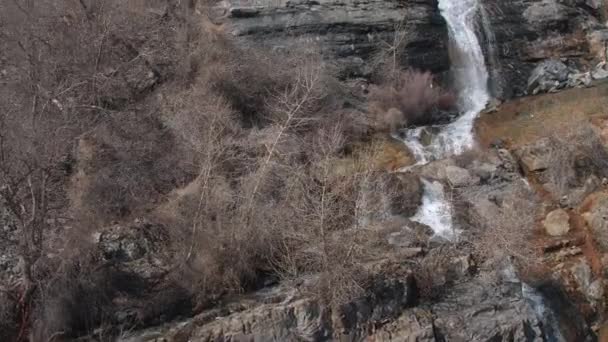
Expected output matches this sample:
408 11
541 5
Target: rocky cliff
516 35
348 32
519 34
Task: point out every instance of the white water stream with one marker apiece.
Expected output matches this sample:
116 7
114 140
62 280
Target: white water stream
436 210
471 79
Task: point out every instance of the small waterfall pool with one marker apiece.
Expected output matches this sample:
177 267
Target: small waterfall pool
471 77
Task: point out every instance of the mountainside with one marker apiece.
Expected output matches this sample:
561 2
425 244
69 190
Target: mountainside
516 35
303 170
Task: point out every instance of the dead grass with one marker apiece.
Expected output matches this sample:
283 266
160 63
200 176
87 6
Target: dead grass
527 119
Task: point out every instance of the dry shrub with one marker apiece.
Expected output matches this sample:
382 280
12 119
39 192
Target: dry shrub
574 156
267 200
505 228
408 98
239 145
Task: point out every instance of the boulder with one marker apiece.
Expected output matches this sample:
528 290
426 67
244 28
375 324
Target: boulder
459 177
535 156
436 169
548 76
576 195
600 71
579 80
557 223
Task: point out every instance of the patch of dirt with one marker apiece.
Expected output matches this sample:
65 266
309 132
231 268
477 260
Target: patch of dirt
526 119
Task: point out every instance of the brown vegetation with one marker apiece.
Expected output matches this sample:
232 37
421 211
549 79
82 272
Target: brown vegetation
116 110
573 156
408 98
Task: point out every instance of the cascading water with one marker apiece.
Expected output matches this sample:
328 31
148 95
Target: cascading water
436 210
471 77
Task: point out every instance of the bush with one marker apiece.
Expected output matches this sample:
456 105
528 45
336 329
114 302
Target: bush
505 228
573 157
408 98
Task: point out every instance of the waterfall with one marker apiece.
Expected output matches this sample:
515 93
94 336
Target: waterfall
436 210
471 77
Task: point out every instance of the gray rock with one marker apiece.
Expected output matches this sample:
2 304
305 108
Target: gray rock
579 80
522 33
346 32
459 177
592 289
557 223
285 314
482 311
600 71
435 170
414 325
548 76
485 171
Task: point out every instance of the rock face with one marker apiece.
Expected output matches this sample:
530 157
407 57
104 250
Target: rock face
521 33
283 314
348 33
483 309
